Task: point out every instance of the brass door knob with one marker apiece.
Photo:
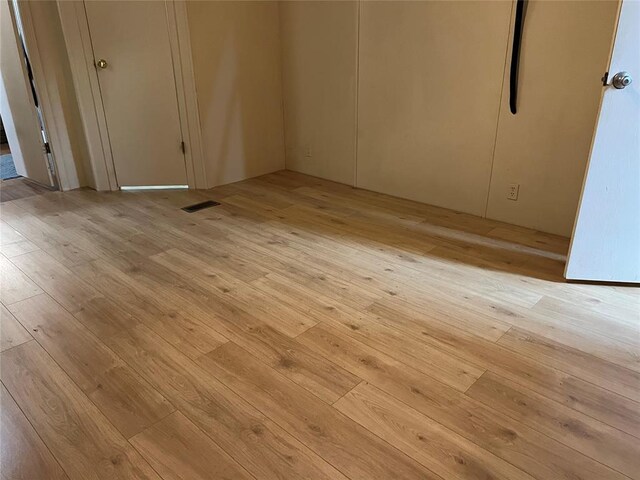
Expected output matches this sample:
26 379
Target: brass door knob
101 63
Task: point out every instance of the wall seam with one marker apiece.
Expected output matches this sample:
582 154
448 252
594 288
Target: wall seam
495 139
282 93
357 93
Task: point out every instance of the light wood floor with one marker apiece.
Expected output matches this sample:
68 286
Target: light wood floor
17 188
305 329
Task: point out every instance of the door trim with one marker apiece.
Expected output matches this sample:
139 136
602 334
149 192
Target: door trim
64 175
75 29
180 40
22 27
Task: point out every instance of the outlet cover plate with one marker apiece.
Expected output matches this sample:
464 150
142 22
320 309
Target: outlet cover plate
512 191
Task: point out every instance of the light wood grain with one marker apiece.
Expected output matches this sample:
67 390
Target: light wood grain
177 449
15 285
23 455
12 333
43 236
363 326
435 446
267 340
616 410
8 235
251 438
210 307
54 278
19 188
576 362
583 433
83 441
305 329
18 248
485 426
105 317
346 445
123 397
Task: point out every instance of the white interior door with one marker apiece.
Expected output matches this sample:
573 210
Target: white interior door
606 238
138 91
17 106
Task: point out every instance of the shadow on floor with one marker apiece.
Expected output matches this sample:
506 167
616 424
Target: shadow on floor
411 230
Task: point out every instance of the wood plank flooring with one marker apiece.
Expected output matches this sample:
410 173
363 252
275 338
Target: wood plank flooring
16 188
304 329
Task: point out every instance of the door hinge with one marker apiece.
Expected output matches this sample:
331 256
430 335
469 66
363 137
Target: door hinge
183 147
52 169
49 156
605 78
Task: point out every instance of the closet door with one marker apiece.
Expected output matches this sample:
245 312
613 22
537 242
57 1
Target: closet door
132 52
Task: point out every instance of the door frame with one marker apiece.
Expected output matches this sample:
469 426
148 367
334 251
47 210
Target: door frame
62 171
75 28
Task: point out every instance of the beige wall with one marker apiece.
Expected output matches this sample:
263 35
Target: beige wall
236 57
429 90
429 99
545 147
319 54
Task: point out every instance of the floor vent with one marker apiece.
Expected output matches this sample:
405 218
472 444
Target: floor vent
200 206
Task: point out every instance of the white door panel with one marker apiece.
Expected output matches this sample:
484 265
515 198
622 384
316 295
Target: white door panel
138 90
606 238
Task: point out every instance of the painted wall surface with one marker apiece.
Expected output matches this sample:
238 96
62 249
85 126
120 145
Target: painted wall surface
319 58
545 146
432 102
236 60
429 89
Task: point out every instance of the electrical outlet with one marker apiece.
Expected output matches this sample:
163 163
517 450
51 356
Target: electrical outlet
307 151
512 191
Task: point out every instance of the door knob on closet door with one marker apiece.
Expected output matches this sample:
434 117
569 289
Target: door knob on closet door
621 80
102 63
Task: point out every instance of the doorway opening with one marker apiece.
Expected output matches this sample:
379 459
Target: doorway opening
7 166
25 150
